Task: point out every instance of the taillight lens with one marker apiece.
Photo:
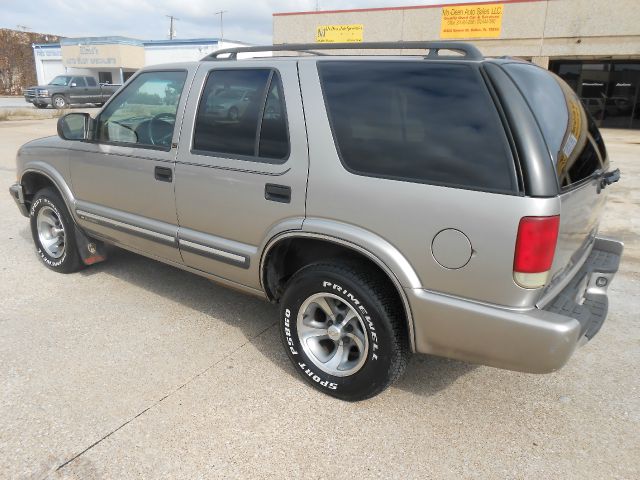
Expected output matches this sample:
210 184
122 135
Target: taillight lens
535 248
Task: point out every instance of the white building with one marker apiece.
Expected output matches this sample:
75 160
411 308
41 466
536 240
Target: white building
115 59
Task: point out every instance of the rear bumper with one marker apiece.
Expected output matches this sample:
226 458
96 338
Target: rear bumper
17 193
532 340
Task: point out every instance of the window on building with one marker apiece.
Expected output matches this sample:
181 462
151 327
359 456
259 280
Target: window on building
242 114
419 122
105 77
144 112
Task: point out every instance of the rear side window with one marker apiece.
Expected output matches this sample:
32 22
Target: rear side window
241 113
419 122
79 81
91 81
574 142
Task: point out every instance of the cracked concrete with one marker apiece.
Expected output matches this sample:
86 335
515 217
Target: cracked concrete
133 369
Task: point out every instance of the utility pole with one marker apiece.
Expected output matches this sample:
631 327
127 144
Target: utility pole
171 30
221 12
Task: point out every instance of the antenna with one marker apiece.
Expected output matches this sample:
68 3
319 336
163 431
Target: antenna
221 12
172 32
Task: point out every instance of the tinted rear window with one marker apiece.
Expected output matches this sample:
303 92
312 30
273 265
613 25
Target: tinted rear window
572 136
417 121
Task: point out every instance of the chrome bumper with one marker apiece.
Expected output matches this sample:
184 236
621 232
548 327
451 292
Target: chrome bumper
532 340
17 193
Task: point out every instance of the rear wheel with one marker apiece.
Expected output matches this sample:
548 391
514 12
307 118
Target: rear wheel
53 232
343 328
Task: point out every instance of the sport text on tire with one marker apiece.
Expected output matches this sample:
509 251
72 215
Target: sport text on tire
343 329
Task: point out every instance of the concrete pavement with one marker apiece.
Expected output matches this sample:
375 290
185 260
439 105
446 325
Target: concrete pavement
133 369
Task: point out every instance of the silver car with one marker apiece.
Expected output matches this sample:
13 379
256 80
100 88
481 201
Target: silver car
443 204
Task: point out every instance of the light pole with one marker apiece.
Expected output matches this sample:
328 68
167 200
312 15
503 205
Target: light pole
171 30
221 12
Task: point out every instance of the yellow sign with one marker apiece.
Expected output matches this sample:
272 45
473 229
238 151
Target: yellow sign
472 21
339 33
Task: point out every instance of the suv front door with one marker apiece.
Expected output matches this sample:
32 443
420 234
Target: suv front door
123 179
243 176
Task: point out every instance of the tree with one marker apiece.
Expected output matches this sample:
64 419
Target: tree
17 64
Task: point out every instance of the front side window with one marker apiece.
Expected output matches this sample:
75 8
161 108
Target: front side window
241 113
144 113
419 122
91 81
79 82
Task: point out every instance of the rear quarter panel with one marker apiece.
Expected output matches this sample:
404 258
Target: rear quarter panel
409 215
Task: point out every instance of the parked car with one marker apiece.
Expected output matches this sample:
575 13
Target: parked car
229 103
66 90
438 204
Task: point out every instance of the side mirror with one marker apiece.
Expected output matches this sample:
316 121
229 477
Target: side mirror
74 126
73 84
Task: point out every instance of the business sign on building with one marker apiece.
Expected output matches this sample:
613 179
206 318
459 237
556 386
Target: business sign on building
472 21
339 33
103 55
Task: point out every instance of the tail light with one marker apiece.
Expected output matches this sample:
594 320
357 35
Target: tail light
535 248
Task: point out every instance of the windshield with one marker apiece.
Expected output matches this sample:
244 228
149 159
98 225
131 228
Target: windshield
61 80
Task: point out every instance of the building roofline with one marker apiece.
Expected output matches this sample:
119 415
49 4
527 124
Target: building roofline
408 7
45 45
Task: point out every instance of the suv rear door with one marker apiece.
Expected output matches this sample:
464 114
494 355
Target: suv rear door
241 170
579 156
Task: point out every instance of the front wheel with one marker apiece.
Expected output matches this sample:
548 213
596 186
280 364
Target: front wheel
343 328
53 232
59 102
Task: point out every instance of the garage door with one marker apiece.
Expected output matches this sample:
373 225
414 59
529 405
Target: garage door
52 68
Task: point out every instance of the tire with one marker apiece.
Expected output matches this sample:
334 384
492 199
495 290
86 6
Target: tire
375 347
233 114
48 215
59 102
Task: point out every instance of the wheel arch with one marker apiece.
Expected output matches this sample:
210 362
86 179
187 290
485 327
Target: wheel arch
327 247
36 177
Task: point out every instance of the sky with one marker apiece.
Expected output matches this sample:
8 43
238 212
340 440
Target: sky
246 20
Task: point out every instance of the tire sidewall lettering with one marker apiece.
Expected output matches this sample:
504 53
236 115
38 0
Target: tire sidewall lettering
44 201
297 354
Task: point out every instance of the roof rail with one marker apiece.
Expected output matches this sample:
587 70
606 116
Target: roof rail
468 50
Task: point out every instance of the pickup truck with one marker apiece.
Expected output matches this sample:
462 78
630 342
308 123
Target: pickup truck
65 90
434 203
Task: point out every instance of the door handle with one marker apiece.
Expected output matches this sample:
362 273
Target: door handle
277 193
163 174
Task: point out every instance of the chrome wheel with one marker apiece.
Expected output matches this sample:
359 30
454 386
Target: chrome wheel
50 232
332 334
59 102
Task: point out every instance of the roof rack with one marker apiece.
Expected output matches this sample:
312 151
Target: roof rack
468 50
